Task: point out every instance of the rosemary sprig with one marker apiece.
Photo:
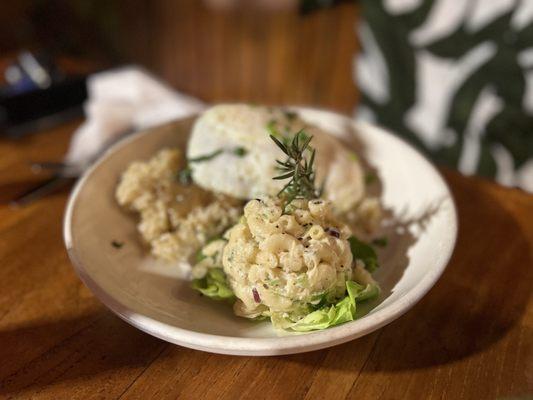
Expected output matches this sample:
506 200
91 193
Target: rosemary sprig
297 168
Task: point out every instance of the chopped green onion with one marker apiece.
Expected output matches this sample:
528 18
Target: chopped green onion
240 151
370 178
185 176
206 157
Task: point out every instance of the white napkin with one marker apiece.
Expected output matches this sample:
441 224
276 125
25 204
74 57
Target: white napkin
120 101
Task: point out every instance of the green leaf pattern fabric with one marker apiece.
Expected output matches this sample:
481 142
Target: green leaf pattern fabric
455 77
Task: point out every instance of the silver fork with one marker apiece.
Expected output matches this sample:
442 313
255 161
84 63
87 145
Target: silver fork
63 174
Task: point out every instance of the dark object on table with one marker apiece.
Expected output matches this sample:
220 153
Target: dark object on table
61 176
308 6
38 95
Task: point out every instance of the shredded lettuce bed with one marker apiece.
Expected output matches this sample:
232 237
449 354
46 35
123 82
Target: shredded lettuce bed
329 315
214 285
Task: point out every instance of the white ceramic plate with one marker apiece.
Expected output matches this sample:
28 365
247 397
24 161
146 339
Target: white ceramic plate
156 298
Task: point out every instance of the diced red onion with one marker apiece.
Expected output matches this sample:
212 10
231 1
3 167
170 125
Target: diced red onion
333 232
256 295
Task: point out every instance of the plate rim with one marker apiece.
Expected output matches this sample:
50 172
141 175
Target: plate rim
289 344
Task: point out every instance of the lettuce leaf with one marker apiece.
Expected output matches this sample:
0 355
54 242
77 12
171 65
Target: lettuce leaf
364 252
214 285
327 316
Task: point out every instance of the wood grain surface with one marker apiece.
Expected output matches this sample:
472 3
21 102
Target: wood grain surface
260 54
470 337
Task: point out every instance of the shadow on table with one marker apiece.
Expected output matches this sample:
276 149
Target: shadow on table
479 299
38 356
482 294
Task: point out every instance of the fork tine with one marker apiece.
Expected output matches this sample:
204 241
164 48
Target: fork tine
47 165
41 190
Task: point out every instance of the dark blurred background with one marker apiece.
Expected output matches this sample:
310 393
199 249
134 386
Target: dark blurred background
262 51
453 78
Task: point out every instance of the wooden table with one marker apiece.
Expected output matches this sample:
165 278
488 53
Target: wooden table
470 337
